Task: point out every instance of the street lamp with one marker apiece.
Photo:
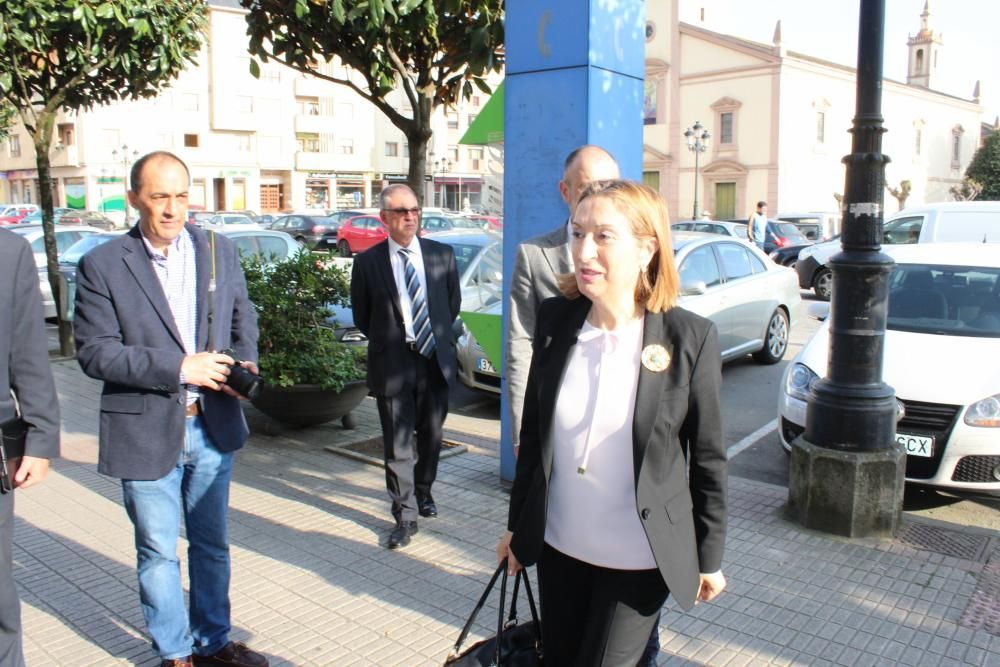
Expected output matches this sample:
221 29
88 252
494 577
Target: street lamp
444 166
126 162
697 142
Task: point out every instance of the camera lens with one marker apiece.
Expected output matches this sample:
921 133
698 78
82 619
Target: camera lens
244 382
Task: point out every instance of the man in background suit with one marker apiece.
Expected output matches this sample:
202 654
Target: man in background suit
25 370
538 263
153 307
405 297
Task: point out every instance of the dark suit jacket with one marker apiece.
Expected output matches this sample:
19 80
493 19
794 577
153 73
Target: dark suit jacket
378 314
126 336
677 433
24 349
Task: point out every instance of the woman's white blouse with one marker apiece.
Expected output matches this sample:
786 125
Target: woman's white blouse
591 512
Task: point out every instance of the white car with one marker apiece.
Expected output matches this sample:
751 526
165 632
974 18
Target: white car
66 236
942 343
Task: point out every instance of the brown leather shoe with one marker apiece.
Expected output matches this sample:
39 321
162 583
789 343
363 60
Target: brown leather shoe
235 654
176 662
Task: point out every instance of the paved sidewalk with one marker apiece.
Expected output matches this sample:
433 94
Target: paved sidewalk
313 583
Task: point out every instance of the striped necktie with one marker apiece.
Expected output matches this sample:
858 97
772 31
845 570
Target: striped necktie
421 317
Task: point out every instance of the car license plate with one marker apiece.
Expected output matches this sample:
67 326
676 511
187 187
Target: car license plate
916 445
484 365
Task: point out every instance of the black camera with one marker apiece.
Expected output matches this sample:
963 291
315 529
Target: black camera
242 381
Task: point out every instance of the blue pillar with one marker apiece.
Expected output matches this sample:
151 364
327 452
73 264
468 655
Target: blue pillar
575 73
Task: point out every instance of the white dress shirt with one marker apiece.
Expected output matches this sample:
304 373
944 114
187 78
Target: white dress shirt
399 274
591 512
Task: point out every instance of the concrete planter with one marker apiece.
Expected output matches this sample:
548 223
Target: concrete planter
309 404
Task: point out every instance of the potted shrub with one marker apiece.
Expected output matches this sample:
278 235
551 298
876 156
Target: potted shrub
311 377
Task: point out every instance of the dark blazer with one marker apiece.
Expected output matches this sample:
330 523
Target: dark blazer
677 447
24 349
377 312
126 336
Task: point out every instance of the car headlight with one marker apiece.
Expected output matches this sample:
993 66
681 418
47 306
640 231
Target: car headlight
984 413
799 380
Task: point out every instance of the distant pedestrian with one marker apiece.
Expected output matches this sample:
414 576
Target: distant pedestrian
153 309
757 225
29 416
405 297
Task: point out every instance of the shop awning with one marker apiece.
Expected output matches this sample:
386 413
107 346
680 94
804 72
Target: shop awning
488 126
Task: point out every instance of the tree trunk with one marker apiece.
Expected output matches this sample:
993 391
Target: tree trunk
42 138
418 165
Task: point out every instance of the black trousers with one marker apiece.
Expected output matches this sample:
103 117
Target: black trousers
411 432
595 616
10 607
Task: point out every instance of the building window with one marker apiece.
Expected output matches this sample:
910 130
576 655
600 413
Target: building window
920 61
453 154
243 104
308 106
345 146
918 140
650 90
67 134
472 118
243 144
190 141
189 101
14 142
726 127
956 146
452 120
406 150
272 76
308 143
820 127
476 158
391 149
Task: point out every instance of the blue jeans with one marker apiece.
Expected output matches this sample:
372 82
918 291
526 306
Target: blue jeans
199 486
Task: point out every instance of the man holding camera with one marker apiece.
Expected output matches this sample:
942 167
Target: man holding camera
152 308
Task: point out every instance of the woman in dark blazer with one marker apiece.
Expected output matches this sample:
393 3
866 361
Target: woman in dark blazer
620 489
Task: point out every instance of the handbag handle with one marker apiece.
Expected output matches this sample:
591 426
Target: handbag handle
501 571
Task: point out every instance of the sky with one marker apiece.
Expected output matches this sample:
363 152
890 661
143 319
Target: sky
828 29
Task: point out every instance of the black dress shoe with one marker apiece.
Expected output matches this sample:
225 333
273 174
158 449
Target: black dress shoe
233 654
428 509
400 536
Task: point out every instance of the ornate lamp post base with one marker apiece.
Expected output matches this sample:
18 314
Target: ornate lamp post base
853 494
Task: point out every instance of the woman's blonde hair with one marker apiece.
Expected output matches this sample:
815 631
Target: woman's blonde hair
659 285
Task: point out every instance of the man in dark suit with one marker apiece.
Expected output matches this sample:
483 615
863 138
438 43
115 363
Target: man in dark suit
25 371
405 297
153 307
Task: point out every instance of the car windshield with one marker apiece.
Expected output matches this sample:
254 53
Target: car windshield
903 230
81 247
464 254
236 220
459 222
790 232
945 300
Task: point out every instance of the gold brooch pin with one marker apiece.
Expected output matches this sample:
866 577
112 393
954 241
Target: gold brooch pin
655 358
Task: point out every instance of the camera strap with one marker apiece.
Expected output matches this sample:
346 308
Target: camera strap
211 293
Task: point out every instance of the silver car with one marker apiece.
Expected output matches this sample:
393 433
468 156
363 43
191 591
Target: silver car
726 228
752 301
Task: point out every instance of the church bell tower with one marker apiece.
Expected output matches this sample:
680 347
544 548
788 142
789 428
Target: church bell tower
925 49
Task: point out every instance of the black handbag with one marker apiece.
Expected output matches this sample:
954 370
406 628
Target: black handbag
515 644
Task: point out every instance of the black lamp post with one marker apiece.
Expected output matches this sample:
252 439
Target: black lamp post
847 470
126 161
697 142
444 166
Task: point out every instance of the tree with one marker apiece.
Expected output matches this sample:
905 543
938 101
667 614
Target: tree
967 190
76 54
902 193
985 168
7 118
437 51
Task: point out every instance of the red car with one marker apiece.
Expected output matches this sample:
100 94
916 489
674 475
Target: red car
11 214
359 233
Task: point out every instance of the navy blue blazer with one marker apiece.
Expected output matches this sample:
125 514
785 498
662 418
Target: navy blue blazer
126 336
677 447
24 349
377 313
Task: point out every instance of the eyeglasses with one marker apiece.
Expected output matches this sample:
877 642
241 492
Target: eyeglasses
403 211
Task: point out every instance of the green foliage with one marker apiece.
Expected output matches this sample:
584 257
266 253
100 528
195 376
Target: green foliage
435 51
7 118
297 343
985 168
81 53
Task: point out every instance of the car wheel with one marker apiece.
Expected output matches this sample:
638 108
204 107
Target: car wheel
345 250
301 241
823 284
775 339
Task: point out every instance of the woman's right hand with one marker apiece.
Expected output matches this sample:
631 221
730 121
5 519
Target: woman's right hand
503 551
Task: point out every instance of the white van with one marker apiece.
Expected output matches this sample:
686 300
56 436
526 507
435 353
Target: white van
977 221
